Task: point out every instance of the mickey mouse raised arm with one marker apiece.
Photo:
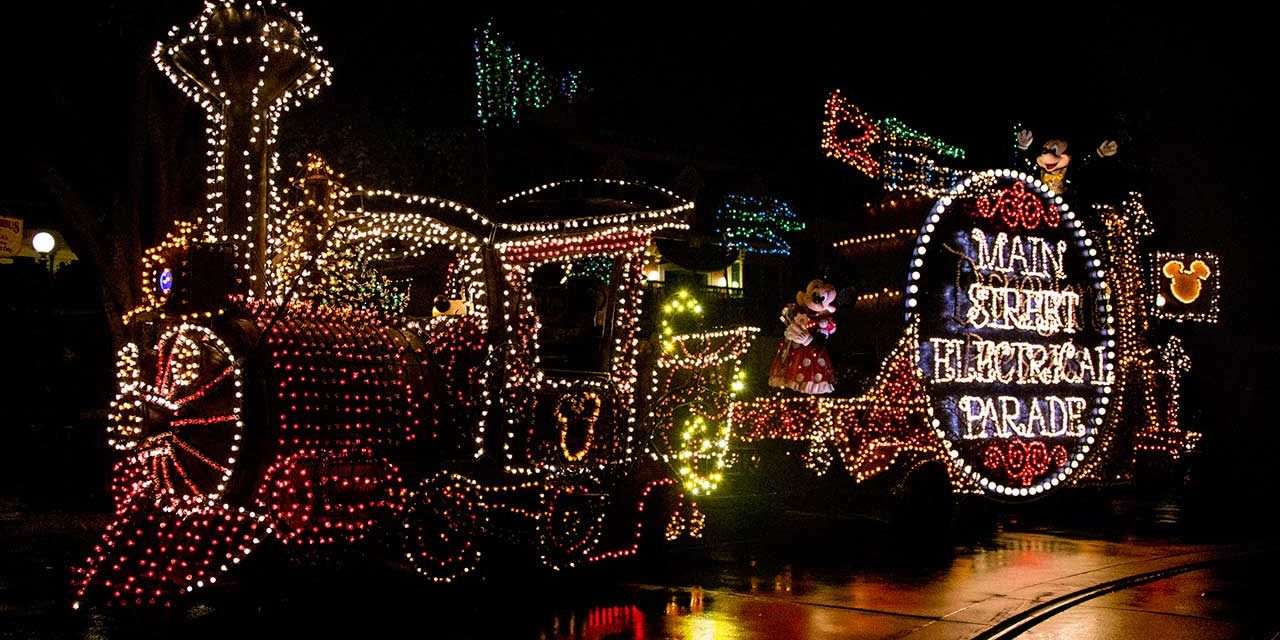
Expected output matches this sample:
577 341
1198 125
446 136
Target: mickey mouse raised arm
1054 157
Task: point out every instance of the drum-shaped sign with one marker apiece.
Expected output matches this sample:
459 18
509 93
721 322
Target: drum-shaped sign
1016 338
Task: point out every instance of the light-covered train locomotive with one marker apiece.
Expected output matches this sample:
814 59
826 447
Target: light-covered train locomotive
327 367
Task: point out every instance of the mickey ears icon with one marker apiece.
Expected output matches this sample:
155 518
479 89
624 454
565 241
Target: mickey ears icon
1174 268
1200 270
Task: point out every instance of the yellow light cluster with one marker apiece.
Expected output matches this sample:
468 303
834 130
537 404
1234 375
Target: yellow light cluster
158 257
577 403
701 457
887 294
701 372
296 238
682 303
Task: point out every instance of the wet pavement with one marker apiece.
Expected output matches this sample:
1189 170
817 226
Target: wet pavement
1236 599
804 577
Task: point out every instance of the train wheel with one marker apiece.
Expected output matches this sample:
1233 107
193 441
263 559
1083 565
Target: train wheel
571 524
441 527
178 413
178 418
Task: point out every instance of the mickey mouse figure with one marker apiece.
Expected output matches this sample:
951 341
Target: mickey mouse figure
1055 157
802 363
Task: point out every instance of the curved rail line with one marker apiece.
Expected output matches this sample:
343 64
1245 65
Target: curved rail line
1024 621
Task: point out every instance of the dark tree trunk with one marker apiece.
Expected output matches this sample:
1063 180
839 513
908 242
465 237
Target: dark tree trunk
112 247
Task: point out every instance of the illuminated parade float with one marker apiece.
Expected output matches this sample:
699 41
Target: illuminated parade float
324 367
1025 360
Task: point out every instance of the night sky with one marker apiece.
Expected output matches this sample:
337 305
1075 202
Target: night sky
741 89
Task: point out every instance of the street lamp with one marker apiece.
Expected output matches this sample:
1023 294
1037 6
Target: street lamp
43 243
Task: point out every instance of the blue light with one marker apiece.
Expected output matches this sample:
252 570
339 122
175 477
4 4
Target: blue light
165 280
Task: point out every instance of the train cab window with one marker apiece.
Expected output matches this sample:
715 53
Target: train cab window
422 280
574 311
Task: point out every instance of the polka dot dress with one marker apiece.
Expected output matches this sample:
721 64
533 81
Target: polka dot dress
803 368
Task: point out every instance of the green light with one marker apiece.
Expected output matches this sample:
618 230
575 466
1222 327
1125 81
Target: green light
897 128
509 84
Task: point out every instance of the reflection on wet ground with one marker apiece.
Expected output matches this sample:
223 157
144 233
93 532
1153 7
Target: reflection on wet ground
1233 600
798 577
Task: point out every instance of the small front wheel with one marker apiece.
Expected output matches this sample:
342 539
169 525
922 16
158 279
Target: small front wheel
440 531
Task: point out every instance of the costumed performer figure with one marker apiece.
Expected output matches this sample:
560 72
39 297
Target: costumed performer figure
802 363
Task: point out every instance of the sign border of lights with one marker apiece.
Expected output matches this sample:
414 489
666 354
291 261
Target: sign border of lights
1213 304
1097 277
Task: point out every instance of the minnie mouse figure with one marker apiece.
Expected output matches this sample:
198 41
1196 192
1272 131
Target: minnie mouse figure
802 363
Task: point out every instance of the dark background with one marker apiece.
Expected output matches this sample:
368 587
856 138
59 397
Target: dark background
734 94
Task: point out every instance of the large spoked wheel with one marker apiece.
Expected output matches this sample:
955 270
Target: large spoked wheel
178 414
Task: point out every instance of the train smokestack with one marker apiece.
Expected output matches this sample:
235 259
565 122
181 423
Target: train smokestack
245 64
